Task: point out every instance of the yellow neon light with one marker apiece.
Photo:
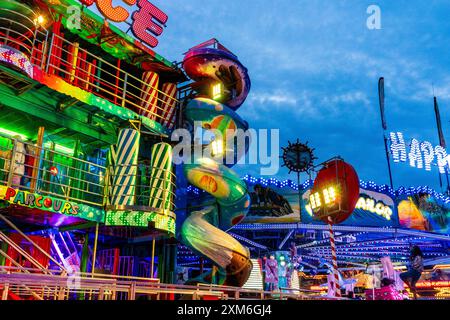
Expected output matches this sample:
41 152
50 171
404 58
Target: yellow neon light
329 195
217 91
217 148
40 20
369 204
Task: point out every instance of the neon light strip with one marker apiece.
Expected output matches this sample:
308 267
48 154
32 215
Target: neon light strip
257 245
12 134
299 226
370 185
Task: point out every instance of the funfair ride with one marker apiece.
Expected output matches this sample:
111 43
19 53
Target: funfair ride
85 150
217 73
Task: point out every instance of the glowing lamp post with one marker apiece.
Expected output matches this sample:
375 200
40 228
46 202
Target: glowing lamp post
333 199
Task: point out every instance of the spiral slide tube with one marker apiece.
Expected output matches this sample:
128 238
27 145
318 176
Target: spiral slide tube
204 231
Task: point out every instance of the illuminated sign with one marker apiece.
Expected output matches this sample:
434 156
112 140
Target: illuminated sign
46 203
327 198
421 154
433 284
374 206
147 22
140 219
318 288
16 58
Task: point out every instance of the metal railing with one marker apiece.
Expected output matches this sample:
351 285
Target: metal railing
94 74
48 172
19 31
236 293
60 286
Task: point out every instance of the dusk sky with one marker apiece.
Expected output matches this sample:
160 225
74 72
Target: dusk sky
315 65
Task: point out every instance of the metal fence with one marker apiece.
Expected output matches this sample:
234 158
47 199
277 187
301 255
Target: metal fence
27 283
46 171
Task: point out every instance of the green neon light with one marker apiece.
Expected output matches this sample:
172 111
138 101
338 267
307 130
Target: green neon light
60 148
13 133
140 219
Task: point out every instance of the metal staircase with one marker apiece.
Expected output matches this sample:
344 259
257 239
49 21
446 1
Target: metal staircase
29 265
66 250
255 281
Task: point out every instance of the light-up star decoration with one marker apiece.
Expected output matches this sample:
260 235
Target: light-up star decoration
298 157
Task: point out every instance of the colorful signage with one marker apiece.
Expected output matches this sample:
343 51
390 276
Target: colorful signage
420 154
367 203
424 212
433 284
147 22
373 209
140 219
272 205
50 204
16 58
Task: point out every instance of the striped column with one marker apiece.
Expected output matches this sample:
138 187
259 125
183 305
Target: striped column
149 95
111 161
161 177
169 104
334 258
124 180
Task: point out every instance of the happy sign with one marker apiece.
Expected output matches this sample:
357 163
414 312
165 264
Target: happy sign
420 154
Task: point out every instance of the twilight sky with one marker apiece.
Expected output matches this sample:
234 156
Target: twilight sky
315 65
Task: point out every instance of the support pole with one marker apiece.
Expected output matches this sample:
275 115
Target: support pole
37 159
153 258
94 258
388 159
299 195
85 254
381 98
337 287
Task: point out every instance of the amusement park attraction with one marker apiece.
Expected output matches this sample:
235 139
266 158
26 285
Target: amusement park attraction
94 207
87 180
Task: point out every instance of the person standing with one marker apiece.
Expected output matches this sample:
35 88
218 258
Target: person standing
415 270
271 273
15 166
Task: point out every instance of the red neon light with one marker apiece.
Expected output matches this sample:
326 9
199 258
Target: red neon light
54 171
87 3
